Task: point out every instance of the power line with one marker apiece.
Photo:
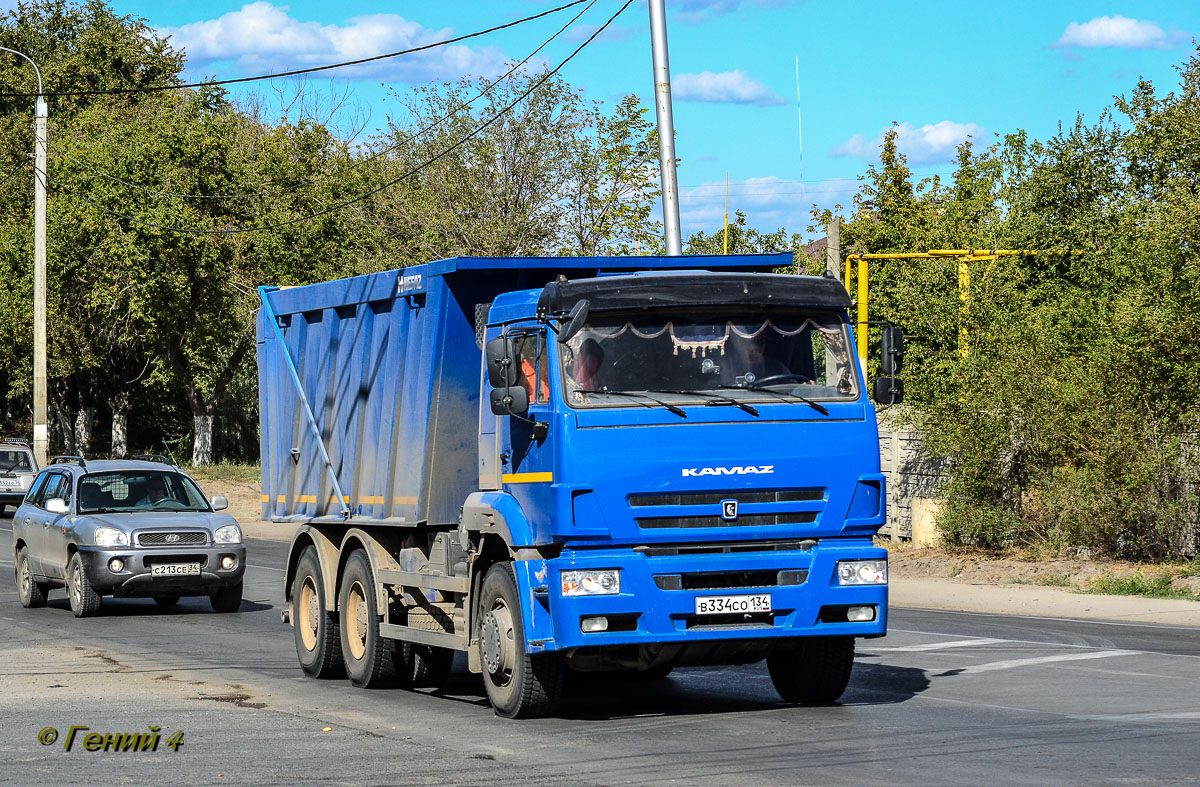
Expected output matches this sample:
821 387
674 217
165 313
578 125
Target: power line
297 72
13 171
372 192
420 132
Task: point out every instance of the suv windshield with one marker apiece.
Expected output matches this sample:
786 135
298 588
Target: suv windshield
745 354
139 491
15 461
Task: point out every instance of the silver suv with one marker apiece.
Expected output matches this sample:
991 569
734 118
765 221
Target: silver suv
17 469
126 529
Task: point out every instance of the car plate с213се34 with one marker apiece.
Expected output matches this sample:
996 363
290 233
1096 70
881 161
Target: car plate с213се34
726 605
175 569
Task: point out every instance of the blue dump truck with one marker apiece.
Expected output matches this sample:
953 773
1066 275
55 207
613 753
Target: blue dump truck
574 464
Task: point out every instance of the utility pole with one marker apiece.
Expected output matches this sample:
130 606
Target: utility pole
666 127
41 434
833 247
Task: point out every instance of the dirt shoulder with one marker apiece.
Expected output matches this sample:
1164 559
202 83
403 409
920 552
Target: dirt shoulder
925 578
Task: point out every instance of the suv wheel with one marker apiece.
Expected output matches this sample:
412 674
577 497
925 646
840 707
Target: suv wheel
85 601
33 594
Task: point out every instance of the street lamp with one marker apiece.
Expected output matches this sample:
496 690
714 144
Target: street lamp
41 435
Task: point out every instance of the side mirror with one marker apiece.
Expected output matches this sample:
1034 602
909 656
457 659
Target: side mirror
888 390
56 505
220 503
513 400
575 321
503 362
891 350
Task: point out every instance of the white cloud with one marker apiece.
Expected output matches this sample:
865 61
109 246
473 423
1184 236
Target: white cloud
696 12
769 203
261 37
929 144
727 87
580 33
1118 31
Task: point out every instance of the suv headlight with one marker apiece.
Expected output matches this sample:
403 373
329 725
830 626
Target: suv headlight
602 582
111 537
228 534
862 572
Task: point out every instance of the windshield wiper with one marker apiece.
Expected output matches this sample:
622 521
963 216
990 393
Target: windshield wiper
786 397
677 410
711 399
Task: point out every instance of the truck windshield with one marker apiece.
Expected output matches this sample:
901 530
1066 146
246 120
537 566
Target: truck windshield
139 491
681 355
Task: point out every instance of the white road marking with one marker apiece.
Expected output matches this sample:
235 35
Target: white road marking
1191 715
960 643
1089 621
265 568
995 666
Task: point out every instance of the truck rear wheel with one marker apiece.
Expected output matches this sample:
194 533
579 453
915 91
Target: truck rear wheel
519 685
369 658
813 669
318 643
428 666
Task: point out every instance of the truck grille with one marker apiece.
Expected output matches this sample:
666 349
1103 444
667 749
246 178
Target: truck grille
741 495
745 520
653 511
725 580
163 539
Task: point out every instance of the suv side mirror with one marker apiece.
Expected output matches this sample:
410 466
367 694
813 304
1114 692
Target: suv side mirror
220 503
891 350
56 505
888 390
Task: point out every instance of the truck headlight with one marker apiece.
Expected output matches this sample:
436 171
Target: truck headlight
862 572
600 582
228 534
110 537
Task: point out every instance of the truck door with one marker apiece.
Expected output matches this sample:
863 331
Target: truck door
527 458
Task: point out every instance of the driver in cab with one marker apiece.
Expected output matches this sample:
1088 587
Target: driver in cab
756 363
156 491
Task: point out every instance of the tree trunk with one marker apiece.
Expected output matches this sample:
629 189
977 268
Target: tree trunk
120 435
83 430
202 440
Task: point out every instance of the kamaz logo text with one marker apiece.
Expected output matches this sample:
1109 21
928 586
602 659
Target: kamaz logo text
410 282
747 470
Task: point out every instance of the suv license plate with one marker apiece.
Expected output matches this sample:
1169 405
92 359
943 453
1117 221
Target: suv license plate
175 569
724 605
10 482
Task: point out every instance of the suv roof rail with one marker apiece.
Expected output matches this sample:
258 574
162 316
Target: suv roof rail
68 460
153 458
15 441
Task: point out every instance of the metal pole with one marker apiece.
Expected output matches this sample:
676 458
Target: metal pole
666 127
833 247
41 435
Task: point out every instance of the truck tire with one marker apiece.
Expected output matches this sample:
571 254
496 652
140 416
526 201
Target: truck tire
227 599
31 592
429 666
84 600
369 657
318 642
812 670
519 685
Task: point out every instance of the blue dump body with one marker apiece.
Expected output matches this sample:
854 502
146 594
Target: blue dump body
376 420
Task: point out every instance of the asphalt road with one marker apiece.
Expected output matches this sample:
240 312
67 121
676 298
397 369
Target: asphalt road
945 698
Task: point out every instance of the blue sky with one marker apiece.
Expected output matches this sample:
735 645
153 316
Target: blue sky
942 70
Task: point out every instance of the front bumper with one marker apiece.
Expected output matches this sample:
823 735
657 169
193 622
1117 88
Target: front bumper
136 580
649 614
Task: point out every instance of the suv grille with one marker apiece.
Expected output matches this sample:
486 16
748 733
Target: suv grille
159 539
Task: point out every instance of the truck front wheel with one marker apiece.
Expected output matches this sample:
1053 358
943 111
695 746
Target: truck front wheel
369 657
318 644
519 685
813 669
